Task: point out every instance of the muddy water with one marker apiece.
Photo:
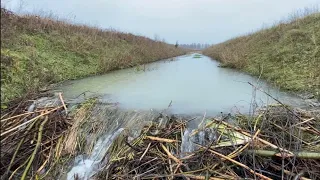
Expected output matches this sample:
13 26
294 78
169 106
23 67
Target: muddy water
194 85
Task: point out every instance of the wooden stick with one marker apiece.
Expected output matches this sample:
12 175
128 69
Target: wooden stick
161 139
145 152
35 149
27 113
170 155
170 168
42 166
62 101
235 152
305 121
58 148
302 154
197 177
4 115
239 164
316 131
202 121
33 119
12 174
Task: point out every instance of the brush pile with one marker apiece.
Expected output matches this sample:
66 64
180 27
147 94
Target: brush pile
32 133
279 143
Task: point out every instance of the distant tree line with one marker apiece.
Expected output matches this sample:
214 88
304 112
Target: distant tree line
196 46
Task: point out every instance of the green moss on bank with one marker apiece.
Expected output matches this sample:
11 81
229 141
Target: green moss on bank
287 54
36 52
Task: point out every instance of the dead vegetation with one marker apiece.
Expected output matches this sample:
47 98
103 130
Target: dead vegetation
31 140
279 142
274 145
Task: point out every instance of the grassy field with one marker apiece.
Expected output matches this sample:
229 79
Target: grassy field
38 51
287 54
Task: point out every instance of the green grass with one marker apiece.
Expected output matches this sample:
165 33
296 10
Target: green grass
36 52
288 54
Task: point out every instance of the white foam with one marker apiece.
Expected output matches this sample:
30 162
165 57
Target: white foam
85 168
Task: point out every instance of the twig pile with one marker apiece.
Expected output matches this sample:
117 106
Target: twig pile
278 143
257 150
31 142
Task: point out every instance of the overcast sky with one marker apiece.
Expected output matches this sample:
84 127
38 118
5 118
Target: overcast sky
203 21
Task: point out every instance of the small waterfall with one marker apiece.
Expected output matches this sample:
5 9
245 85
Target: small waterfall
86 167
212 134
187 144
202 137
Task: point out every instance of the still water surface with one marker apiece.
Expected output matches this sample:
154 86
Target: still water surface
194 85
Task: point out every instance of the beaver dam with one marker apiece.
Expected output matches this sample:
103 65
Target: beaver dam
50 139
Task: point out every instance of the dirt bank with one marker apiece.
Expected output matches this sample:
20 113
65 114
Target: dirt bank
37 51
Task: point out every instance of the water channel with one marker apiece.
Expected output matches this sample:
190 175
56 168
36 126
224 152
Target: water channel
194 85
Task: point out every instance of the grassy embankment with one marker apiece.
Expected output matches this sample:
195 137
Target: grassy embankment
36 52
287 54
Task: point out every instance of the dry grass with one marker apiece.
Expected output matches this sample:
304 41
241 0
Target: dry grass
286 54
37 51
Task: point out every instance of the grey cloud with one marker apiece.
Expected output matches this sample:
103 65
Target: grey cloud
204 21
